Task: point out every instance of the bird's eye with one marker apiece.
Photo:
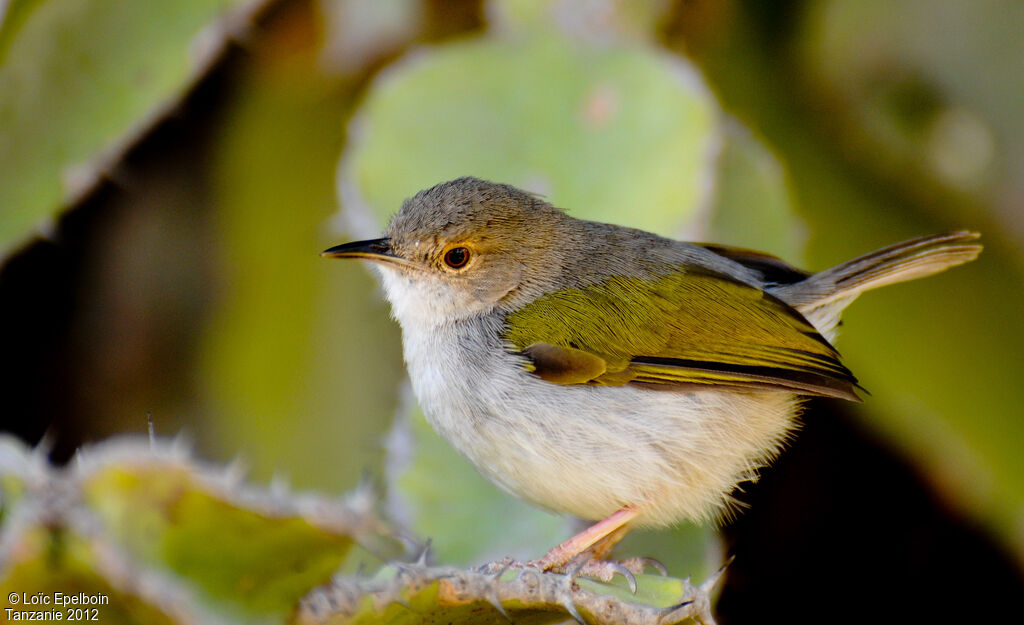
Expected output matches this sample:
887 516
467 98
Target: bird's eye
457 257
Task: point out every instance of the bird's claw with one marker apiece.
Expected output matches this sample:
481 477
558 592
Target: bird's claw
605 570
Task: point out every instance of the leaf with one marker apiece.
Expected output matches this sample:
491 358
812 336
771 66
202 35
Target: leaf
52 549
146 524
604 131
242 547
81 80
414 594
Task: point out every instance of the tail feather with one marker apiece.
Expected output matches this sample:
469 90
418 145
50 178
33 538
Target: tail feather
823 296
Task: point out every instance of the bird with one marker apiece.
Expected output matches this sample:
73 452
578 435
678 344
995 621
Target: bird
606 372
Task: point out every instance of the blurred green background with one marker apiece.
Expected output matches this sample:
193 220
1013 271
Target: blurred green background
169 173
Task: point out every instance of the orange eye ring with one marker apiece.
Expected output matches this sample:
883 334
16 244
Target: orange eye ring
457 257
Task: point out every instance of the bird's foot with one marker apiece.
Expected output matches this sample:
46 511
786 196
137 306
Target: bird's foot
587 565
583 565
695 602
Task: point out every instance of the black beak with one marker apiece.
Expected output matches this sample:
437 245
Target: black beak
374 248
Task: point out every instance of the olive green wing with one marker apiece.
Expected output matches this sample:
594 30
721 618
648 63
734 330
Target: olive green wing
691 329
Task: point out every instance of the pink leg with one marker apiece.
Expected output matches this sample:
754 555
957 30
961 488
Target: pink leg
613 525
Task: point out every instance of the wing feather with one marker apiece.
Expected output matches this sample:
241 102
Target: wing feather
686 329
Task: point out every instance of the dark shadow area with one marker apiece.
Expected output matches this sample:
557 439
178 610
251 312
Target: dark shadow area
840 529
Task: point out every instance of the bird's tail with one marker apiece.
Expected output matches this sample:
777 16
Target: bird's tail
822 296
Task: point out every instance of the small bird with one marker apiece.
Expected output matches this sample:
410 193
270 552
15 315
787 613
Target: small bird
607 372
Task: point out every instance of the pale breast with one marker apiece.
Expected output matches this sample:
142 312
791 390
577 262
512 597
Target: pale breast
587 450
